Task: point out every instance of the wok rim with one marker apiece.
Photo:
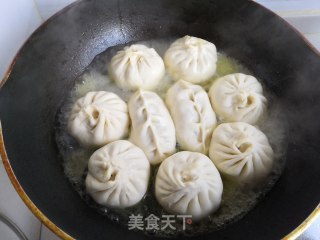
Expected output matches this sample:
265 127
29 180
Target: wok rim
34 209
50 224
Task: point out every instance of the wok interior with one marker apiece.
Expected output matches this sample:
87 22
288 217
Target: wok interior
59 51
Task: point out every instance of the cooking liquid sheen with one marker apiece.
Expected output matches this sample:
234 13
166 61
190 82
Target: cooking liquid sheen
236 200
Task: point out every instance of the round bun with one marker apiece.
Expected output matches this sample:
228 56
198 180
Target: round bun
193 116
238 98
191 59
189 183
152 127
137 66
118 175
241 152
98 118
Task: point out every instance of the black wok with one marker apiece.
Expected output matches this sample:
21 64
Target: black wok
46 67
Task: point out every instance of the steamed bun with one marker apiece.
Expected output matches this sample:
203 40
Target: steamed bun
118 175
193 116
189 183
137 66
191 59
152 127
238 97
99 118
241 152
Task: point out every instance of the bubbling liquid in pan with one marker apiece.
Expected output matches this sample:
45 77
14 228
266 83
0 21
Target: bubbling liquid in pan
236 201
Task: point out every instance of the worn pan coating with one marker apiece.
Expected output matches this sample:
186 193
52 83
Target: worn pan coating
45 69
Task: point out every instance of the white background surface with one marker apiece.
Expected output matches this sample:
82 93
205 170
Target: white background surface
19 18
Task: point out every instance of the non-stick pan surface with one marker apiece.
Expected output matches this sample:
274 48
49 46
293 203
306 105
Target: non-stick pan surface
59 51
